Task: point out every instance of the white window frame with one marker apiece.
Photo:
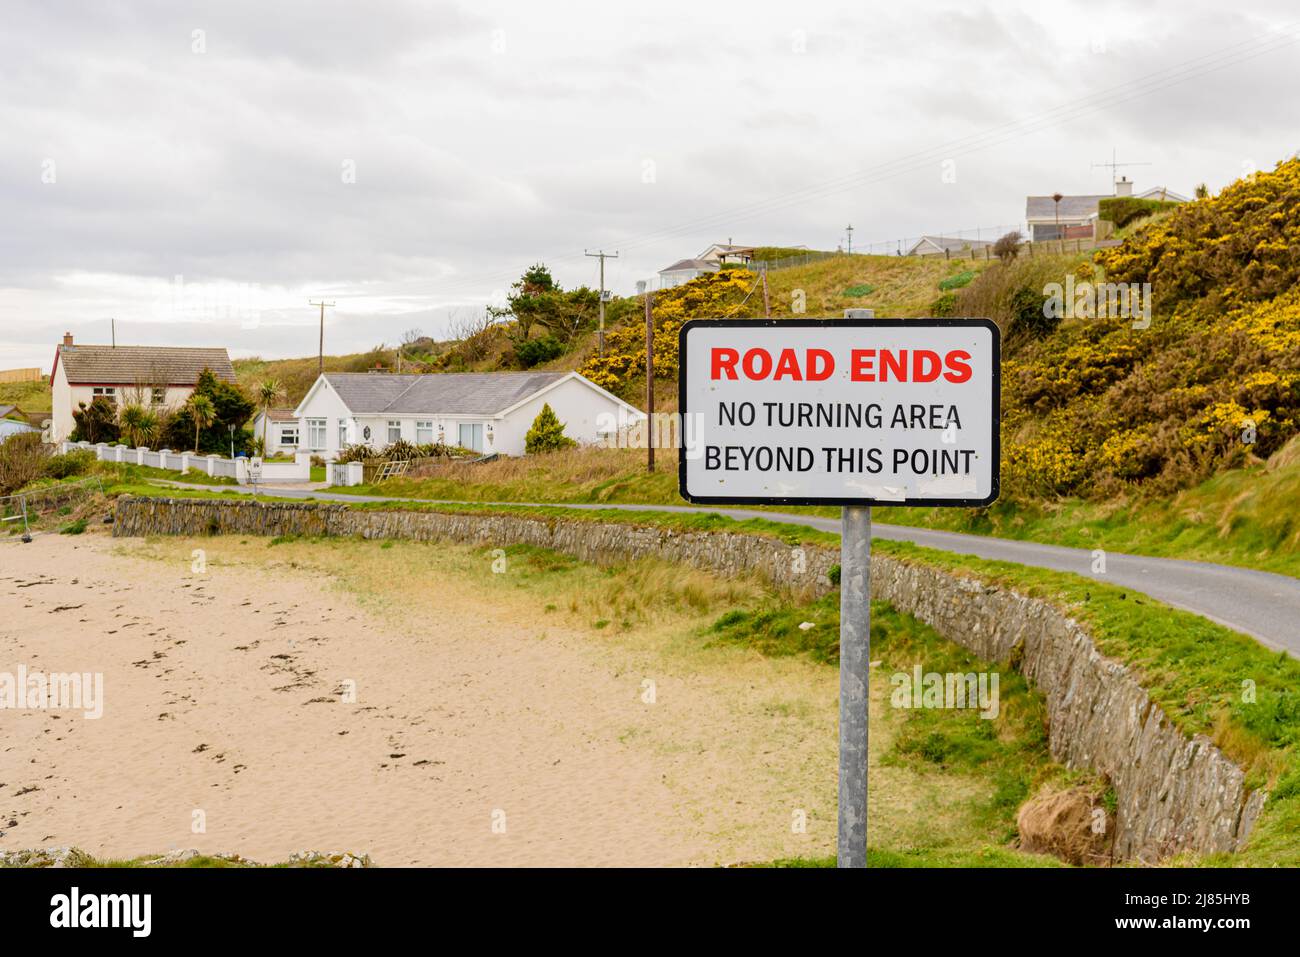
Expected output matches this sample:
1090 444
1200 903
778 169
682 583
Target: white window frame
343 434
424 431
394 425
158 395
107 391
316 429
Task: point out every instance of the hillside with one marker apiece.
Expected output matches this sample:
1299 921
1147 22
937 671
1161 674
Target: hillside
28 396
892 285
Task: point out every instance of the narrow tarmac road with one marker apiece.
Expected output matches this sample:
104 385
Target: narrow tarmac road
1264 605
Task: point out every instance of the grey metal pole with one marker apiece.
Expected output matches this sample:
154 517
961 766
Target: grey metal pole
855 654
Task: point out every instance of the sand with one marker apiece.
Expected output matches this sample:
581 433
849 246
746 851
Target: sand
477 737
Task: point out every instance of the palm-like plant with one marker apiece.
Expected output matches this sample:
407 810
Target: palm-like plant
139 426
203 412
268 392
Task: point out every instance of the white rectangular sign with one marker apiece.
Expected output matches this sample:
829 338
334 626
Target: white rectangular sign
840 411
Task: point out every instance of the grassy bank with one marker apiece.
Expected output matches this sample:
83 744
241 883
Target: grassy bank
1240 517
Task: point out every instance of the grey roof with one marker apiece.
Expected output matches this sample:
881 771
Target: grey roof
952 242
438 393
279 415
143 365
698 265
1072 207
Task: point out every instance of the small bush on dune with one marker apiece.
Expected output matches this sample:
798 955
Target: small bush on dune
22 460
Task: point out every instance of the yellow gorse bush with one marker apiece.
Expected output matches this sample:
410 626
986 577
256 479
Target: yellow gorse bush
712 295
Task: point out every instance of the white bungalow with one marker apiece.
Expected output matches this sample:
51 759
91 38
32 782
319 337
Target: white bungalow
484 411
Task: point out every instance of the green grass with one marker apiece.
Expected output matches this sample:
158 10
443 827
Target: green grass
1243 517
1194 669
28 396
1011 748
987 856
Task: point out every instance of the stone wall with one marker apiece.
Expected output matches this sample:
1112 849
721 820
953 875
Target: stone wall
1174 793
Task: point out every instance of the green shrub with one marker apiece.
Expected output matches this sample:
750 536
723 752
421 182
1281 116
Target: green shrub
865 289
547 433
532 352
22 460
1122 210
76 462
957 280
74 528
945 305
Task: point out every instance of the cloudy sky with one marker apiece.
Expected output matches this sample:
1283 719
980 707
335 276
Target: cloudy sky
199 171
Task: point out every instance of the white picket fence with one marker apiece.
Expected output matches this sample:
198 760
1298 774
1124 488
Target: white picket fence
242 470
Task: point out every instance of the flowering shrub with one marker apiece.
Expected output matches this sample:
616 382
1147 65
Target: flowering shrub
712 295
1241 246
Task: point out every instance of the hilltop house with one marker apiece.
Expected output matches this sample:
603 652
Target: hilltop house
1075 217
946 246
684 270
162 376
727 253
484 411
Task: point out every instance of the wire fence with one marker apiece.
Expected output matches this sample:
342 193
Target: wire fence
22 510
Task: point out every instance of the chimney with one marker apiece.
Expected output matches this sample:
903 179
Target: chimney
67 338
1123 186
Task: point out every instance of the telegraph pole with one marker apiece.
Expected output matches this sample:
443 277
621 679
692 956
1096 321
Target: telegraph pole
650 381
849 230
320 361
602 256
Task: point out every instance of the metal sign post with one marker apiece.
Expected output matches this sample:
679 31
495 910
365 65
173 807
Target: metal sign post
855 682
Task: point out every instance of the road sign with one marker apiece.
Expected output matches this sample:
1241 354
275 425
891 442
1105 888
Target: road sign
840 411
853 412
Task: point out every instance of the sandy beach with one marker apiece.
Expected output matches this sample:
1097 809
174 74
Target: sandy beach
480 734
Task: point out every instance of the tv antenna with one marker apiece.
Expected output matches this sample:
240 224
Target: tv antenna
1113 165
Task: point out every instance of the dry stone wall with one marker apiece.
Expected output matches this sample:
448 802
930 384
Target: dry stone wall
1174 793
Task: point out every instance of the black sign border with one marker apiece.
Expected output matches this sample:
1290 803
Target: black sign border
996 419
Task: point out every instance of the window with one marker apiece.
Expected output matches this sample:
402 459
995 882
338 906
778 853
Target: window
343 434
107 391
157 396
471 437
394 431
316 433
423 433
289 435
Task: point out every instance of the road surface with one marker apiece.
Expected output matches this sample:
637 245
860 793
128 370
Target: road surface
1263 605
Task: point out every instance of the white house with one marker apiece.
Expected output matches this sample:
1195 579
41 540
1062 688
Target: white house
484 411
727 253
684 270
946 245
283 433
1075 217
161 376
